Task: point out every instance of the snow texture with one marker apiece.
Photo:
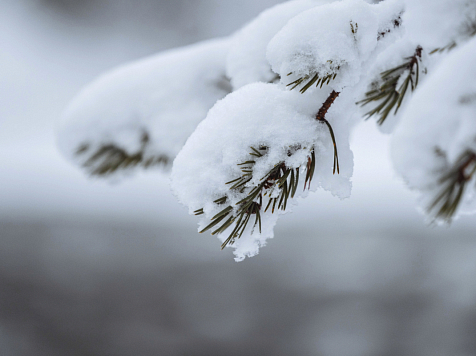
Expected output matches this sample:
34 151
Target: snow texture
439 125
321 40
437 23
246 62
148 108
253 116
345 39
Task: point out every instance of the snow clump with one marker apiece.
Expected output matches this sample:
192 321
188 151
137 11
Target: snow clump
246 62
260 116
438 129
142 113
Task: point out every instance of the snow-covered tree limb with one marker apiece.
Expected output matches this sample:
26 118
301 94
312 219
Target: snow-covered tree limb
293 83
140 114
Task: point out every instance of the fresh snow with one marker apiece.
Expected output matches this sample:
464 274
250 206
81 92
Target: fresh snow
246 62
348 42
253 116
162 97
321 40
439 125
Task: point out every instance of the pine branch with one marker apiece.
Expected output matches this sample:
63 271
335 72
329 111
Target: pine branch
281 179
387 95
108 159
453 184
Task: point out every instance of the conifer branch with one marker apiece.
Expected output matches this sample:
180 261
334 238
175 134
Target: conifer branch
388 95
281 179
453 184
108 159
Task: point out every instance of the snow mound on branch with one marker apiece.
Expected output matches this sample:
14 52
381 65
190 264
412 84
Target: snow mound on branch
246 62
257 115
142 113
444 24
439 125
329 39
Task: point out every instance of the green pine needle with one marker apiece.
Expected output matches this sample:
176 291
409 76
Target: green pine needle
388 96
448 48
109 159
453 184
280 177
311 79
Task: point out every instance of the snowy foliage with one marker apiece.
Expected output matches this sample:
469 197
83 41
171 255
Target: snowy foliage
435 142
246 62
259 116
301 76
140 114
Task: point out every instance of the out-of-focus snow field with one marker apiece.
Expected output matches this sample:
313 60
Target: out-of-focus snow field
93 268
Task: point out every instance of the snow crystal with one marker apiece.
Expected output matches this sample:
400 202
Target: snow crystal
145 110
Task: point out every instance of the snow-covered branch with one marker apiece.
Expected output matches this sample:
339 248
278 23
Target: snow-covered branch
140 114
293 83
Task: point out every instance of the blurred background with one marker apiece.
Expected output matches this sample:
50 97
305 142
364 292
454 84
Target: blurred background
93 268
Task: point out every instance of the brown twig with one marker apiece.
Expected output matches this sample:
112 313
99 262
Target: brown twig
321 116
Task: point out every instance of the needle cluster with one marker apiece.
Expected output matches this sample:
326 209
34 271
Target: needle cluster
453 184
278 185
311 79
109 158
389 95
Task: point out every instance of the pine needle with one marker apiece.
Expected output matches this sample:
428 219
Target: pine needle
280 177
389 96
453 183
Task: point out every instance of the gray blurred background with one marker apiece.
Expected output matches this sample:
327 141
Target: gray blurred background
93 268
